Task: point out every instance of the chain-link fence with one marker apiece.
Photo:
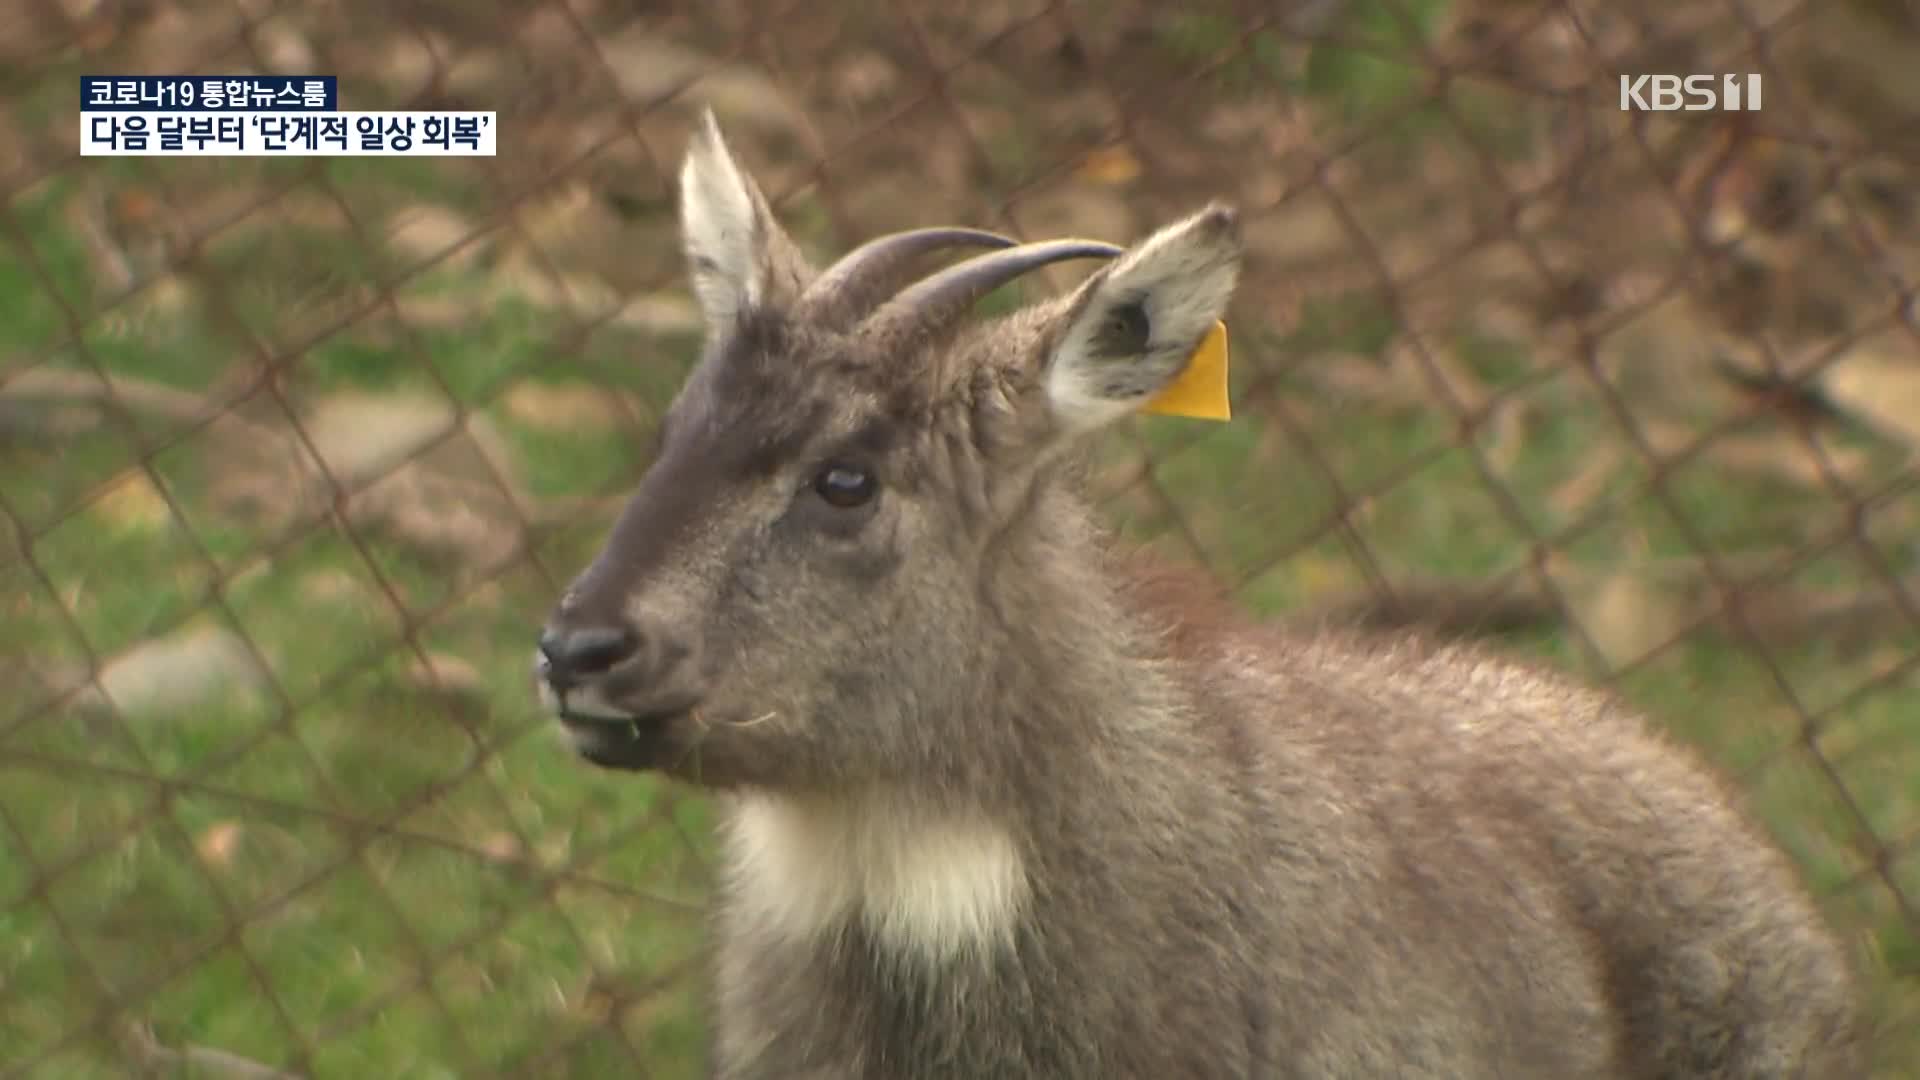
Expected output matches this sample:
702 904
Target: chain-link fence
296 453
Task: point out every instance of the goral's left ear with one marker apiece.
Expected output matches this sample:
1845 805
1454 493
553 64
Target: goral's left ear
739 256
1130 329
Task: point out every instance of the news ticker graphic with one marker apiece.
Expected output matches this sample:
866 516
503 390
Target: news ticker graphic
210 93
261 116
250 134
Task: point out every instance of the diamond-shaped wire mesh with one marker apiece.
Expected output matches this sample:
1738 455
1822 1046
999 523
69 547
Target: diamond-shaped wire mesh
295 454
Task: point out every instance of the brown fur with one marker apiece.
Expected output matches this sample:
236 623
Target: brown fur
1001 803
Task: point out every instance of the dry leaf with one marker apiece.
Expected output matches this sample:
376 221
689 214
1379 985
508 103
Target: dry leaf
1110 165
134 502
439 310
569 215
1320 575
409 62
1626 617
135 208
661 314
96 35
1786 456
1507 427
519 277
1589 483
1350 376
595 1005
502 846
332 586
1466 389
866 77
219 842
283 49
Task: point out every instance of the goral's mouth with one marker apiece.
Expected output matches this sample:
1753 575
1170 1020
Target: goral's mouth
616 738
585 707
632 742
631 725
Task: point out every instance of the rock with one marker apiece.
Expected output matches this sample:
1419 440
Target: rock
409 472
648 68
440 673
183 669
564 407
1626 617
360 436
1879 381
433 233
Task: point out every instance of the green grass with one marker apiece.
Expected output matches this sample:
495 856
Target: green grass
1364 64
359 828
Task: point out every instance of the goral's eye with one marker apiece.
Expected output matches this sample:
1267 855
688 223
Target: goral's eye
845 487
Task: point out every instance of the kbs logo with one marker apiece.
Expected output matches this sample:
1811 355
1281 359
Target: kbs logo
1692 93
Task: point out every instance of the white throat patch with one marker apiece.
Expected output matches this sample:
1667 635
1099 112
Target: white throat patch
930 886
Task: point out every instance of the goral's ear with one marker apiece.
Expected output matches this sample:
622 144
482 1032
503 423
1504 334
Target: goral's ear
739 256
1131 328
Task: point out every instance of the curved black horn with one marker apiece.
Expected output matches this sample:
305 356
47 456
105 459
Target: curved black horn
859 271
935 300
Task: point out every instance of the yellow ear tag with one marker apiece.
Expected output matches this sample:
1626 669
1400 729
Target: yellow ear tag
1200 390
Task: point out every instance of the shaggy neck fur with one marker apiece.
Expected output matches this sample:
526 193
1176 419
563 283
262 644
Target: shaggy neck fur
1072 695
922 883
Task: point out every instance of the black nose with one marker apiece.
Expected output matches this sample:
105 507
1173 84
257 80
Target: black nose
581 652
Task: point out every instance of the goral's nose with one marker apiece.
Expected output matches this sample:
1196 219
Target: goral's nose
577 653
